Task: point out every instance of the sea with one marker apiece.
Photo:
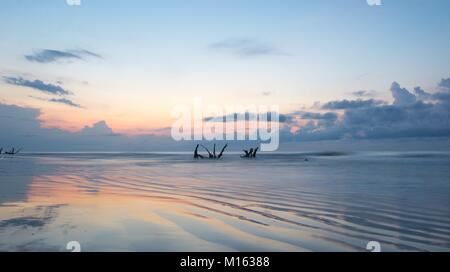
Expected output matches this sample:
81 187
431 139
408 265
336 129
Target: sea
146 202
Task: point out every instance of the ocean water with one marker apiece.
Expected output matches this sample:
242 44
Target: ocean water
277 202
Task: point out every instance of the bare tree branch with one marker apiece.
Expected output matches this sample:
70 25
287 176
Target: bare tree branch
221 152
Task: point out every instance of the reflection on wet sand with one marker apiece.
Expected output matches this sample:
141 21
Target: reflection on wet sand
168 222
163 203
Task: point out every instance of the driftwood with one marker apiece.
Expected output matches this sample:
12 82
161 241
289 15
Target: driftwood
250 153
12 152
196 155
211 155
221 152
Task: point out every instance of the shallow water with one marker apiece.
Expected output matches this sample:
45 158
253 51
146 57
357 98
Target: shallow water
278 202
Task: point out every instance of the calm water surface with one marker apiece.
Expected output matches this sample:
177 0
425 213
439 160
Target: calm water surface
278 202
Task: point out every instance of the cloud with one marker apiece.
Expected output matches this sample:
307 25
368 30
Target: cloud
351 104
443 97
244 47
24 129
421 94
100 128
445 83
420 119
18 121
266 93
64 101
363 93
37 85
331 116
86 53
282 118
51 55
419 114
402 96
47 88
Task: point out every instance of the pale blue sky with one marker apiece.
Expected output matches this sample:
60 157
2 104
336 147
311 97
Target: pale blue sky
159 53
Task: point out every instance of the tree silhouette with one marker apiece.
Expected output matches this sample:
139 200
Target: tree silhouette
221 152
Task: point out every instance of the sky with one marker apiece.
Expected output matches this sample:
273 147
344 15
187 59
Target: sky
122 66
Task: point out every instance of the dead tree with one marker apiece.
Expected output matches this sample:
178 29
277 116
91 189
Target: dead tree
211 156
254 152
13 151
250 153
196 155
221 152
247 154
